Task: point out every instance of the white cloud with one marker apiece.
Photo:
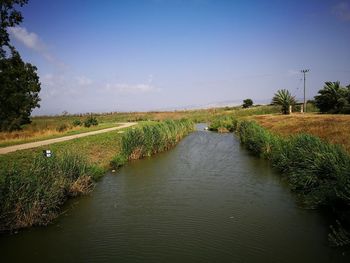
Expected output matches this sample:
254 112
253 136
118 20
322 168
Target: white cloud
131 88
125 88
29 39
83 81
342 11
33 41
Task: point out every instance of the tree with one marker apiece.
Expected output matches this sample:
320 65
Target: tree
9 17
20 86
284 99
19 92
333 98
247 103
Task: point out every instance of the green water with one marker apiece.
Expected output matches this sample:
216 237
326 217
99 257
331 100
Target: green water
206 200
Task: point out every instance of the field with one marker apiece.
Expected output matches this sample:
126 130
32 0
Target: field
48 127
331 128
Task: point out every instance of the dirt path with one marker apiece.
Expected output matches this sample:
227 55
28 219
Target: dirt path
61 139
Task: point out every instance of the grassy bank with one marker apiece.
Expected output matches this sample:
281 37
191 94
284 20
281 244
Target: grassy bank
34 196
151 139
331 128
227 122
317 171
33 188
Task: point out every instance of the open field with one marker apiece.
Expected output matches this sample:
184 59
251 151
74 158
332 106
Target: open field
35 133
331 128
47 127
14 148
98 149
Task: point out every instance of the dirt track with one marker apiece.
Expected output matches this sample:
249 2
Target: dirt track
61 139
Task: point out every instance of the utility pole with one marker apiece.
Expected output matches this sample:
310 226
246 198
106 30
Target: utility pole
304 71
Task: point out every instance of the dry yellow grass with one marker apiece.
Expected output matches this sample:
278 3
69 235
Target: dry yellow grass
29 134
331 128
26 134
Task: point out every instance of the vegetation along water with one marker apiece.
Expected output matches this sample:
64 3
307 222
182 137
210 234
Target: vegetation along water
33 194
317 171
206 200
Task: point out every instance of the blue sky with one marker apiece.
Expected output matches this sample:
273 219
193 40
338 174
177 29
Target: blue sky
137 55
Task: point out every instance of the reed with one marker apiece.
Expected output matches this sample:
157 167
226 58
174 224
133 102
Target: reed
319 172
150 139
223 124
34 196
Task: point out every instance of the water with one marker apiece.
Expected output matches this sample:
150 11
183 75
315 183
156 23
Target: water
207 200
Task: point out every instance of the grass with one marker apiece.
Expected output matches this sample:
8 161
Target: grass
330 128
49 127
226 121
39 133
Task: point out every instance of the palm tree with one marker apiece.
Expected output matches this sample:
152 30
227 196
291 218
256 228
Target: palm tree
332 97
285 99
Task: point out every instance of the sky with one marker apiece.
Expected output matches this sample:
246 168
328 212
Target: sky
135 55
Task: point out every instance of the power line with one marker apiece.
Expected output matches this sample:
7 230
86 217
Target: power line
304 71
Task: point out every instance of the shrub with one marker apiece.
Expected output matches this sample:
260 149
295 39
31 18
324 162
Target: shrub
90 121
247 103
77 123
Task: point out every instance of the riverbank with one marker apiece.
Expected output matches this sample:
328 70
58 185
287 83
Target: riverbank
33 188
206 200
317 171
332 128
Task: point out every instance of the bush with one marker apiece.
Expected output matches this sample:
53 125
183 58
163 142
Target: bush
77 123
90 121
247 103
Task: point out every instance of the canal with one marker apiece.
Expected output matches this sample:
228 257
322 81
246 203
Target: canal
206 200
